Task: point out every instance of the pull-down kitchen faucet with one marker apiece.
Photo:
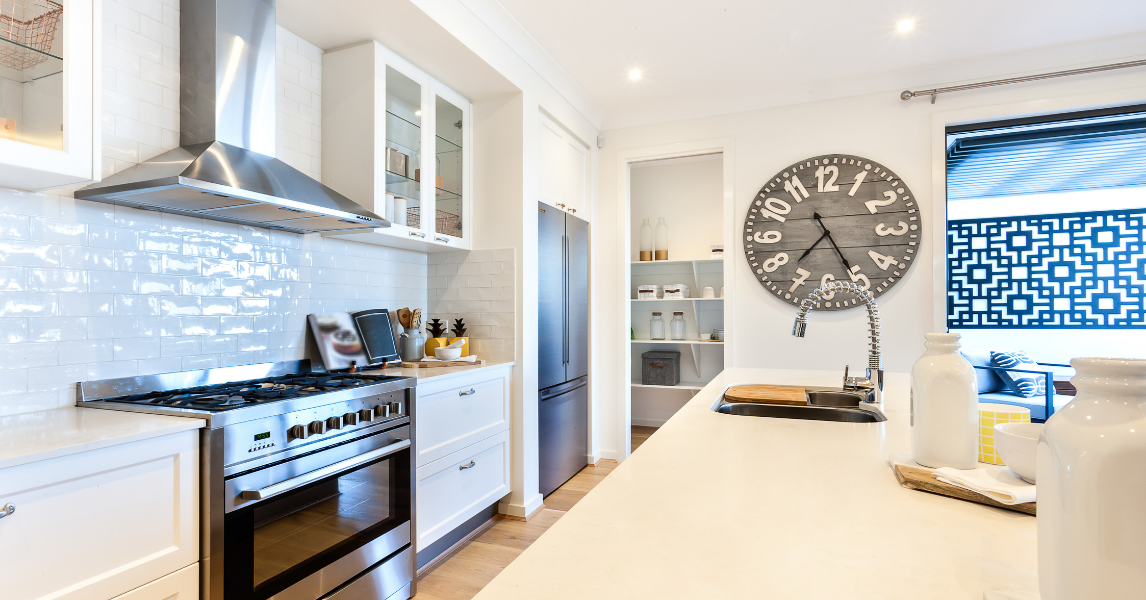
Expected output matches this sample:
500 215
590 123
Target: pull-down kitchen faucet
874 379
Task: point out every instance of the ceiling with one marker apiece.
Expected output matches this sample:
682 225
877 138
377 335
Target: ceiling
401 27
704 58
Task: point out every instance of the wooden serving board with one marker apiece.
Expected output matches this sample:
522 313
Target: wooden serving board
920 478
767 394
451 363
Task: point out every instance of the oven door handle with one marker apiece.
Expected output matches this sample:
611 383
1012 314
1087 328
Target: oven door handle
298 481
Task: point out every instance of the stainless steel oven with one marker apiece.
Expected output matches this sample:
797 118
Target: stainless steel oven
302 529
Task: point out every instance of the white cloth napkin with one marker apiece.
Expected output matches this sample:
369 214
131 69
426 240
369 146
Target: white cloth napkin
996 482
470 358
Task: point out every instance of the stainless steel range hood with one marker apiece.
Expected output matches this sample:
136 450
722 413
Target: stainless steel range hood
224 168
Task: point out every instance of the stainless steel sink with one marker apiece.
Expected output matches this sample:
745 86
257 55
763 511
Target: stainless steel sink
824 404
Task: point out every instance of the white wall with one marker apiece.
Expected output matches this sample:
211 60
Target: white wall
477 286
92 291
688 193
881 126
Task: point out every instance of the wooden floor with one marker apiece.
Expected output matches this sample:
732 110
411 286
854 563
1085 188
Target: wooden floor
469 569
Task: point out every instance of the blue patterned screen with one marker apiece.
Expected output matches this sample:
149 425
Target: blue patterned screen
1077 270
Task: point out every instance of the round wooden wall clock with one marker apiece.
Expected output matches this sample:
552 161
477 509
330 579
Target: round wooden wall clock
834 216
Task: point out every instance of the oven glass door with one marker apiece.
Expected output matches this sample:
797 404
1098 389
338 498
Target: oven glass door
272 544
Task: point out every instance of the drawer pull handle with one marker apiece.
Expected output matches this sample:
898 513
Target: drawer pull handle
442 239
417 234
469 466
658 364
469 393
7 509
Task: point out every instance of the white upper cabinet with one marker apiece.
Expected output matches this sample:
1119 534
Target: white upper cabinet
49 101
564 181
397 142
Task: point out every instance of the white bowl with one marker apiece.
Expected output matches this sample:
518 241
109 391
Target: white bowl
443 353
1017 444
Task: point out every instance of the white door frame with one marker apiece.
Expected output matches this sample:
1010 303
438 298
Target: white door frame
625 159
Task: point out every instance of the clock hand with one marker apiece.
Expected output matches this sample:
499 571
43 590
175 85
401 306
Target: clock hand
828 234
821 238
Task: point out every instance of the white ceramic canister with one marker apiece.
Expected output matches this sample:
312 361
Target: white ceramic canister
944 406
1091 470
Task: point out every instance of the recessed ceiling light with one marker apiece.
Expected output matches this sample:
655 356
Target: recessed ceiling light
905 25
635 74
417 113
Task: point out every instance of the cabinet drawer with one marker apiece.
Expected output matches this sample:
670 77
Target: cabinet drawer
470 410
180 585
456 487
95 525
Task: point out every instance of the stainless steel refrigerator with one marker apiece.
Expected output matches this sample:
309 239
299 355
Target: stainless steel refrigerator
562 346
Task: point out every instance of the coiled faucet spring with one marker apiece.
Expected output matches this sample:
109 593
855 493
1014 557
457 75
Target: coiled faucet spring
875 356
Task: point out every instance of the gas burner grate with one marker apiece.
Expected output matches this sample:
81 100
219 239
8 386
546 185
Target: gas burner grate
238 394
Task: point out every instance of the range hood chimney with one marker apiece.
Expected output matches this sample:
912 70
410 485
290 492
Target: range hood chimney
224 168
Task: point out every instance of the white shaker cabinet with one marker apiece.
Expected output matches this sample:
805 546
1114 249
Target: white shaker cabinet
564 167
103 523
463 456
49 95
397 142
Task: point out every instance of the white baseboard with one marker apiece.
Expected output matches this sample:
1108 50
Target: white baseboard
648 422
610 455
521 510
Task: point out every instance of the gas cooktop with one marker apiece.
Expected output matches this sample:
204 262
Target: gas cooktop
240 394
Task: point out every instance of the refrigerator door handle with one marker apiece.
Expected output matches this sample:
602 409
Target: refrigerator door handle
565 299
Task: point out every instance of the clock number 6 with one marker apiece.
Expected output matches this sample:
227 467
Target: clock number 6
823 280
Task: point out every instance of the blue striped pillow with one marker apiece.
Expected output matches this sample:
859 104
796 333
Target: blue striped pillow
1027 385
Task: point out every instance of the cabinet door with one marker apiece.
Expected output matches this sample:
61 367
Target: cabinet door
469 410
456 487
49 101
94 525
564 168
180 585
451 169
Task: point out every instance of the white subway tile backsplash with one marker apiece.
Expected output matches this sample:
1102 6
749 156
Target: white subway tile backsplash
460 284
93 291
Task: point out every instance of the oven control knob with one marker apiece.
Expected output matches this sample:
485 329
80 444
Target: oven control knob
382 411
334 423
350 418
395 408
317 428
366 414
298 432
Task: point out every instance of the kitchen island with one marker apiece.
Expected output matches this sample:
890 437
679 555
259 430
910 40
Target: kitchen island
723 506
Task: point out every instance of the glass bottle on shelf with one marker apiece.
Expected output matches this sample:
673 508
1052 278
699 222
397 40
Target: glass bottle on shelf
676 326
657 327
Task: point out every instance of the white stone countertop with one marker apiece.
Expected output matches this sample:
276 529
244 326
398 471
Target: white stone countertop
440 373
48 434
737 507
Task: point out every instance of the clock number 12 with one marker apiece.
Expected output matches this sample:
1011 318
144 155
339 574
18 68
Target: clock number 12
830 186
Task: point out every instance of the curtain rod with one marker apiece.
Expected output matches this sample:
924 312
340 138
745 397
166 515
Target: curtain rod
908 94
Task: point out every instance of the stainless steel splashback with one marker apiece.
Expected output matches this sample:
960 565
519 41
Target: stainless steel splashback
224 168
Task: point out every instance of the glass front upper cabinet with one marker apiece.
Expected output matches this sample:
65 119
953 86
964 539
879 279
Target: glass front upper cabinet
403 148
450 181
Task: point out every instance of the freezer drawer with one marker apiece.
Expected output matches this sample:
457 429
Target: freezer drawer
563 436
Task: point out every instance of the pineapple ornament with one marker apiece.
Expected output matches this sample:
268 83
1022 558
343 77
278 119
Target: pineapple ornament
437 339
459 330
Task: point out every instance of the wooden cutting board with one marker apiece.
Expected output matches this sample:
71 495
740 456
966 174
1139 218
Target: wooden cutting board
451 363
920 478
767 394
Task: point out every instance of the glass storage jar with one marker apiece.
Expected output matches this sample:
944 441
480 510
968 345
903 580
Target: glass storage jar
657 327
676 326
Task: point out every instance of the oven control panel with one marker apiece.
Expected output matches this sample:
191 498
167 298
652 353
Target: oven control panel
249 440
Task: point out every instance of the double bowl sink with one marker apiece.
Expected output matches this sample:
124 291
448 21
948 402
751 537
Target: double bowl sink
824 404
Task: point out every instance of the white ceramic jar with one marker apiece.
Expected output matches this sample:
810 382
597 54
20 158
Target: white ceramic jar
1092 486
944 406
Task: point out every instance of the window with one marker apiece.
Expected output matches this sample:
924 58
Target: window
1046 222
